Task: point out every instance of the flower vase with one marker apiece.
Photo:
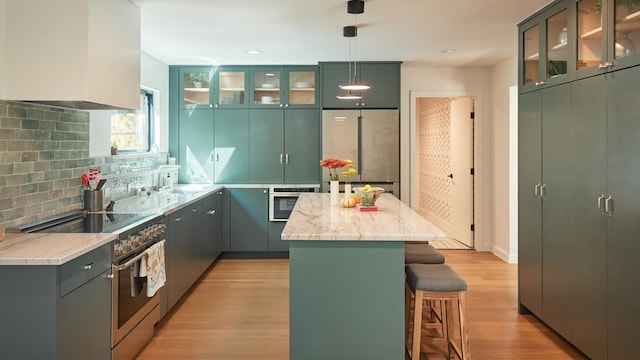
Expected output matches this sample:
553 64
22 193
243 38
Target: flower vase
347 190
335 192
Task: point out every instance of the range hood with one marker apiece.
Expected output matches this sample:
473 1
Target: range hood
82 54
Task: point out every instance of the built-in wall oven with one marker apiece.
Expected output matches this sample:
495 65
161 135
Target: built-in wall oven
282 199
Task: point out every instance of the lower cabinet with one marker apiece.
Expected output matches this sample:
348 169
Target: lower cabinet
249 219
249 227
66 308
194 242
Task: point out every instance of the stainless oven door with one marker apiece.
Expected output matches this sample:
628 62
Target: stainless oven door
130 303
281 205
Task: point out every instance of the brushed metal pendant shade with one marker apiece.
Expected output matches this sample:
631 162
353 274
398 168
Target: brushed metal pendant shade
353 7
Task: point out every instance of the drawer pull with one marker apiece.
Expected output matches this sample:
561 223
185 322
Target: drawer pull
211 212
88 266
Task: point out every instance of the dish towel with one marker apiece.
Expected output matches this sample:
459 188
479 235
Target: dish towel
154 268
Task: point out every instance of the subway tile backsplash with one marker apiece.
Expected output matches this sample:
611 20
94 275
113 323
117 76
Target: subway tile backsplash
43 152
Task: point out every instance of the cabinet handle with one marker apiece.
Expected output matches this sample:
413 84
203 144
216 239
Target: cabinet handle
608 206
600 205
216 105
536 190
280 158
210 105
286 105
211 212
217 157
541 83
543 191
264 191
110 276
286 158
88 266
281 105
179 219
194 210
602 66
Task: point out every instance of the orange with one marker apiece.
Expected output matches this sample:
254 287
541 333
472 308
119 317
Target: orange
356 199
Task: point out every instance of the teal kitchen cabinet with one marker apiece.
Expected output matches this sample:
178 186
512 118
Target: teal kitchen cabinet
544 47
211 87
285 146
182 264
65 308
195 146
231 155
530 202
544 240
249 219
211 239
230 88
622 212
284 86
588 142
275 236
384 78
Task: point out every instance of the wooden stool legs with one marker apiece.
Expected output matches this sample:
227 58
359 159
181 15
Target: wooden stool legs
452 316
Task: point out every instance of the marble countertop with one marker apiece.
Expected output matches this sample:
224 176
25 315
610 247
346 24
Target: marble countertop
314 218
48 249
57 249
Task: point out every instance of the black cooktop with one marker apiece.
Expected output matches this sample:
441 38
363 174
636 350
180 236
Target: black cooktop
83 222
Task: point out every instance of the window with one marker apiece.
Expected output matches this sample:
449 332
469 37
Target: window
131 129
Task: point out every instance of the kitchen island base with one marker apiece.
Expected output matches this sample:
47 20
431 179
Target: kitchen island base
346 300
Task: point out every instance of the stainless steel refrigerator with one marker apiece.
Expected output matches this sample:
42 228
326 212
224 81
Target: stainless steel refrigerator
371 139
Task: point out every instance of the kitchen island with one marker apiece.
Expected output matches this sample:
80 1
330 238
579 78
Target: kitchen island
346 278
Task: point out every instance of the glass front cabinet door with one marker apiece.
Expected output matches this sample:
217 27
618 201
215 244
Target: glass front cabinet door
284 86
231 84
195 86
544 48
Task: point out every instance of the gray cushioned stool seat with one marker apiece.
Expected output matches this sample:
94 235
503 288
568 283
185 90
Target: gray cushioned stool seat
434 277
422 254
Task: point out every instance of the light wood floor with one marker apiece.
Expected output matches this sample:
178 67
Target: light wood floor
239 310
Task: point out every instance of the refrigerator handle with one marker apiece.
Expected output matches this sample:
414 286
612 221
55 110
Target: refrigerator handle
360 165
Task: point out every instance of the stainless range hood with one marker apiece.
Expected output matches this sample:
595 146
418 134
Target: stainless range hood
82 54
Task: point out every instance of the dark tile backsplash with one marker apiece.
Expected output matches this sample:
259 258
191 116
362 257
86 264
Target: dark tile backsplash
43 152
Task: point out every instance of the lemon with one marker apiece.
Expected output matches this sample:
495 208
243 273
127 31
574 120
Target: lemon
366 188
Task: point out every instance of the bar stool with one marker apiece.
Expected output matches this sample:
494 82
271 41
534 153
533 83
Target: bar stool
436 282
421 253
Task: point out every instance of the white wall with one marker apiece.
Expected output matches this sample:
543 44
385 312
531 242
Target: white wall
505 76
154 76
472 81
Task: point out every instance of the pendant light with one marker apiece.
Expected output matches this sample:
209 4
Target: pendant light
353 7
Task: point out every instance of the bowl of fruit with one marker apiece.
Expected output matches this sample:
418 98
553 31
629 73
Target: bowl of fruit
368 194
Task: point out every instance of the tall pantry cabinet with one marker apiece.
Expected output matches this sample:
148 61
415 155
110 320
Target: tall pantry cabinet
579 177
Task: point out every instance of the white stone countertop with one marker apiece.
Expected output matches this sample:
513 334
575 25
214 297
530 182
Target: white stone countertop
48 249
314 218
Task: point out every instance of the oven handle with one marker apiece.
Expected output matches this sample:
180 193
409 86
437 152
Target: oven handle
130 262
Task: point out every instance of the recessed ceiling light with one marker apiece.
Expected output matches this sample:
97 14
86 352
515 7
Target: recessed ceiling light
448 51
254 52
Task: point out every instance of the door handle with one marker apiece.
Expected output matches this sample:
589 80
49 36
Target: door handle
543 191
450 176
280 158
608 206
286 158
600 204
536 190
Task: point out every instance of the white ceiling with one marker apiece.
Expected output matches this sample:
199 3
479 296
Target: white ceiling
483 32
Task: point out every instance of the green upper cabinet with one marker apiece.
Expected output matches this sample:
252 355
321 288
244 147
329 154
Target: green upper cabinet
572 39
231 85
195 146
285 146
213 87
231 154
544 48
606 36
284 86
195 86
384 78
